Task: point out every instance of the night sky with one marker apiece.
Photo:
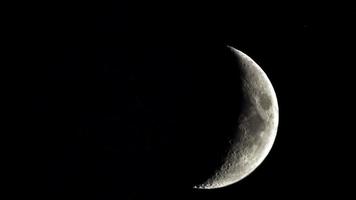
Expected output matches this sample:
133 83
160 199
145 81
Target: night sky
132 100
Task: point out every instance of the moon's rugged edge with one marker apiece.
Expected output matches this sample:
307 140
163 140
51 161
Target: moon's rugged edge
257 126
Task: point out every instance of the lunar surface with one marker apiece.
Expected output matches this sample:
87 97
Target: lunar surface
257 126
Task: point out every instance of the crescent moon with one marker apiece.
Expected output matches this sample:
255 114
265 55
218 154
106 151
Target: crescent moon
257 126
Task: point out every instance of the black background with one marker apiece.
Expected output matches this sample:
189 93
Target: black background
130 100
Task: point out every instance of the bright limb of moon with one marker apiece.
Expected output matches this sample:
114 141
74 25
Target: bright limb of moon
257 126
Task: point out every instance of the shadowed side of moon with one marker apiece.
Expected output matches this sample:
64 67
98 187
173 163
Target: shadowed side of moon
207 112
209 119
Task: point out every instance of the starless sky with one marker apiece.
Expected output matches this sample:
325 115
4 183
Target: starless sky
127 98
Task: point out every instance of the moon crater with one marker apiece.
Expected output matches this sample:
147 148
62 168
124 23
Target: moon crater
256 129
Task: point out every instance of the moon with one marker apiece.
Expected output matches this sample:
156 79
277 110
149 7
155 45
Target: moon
256 129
